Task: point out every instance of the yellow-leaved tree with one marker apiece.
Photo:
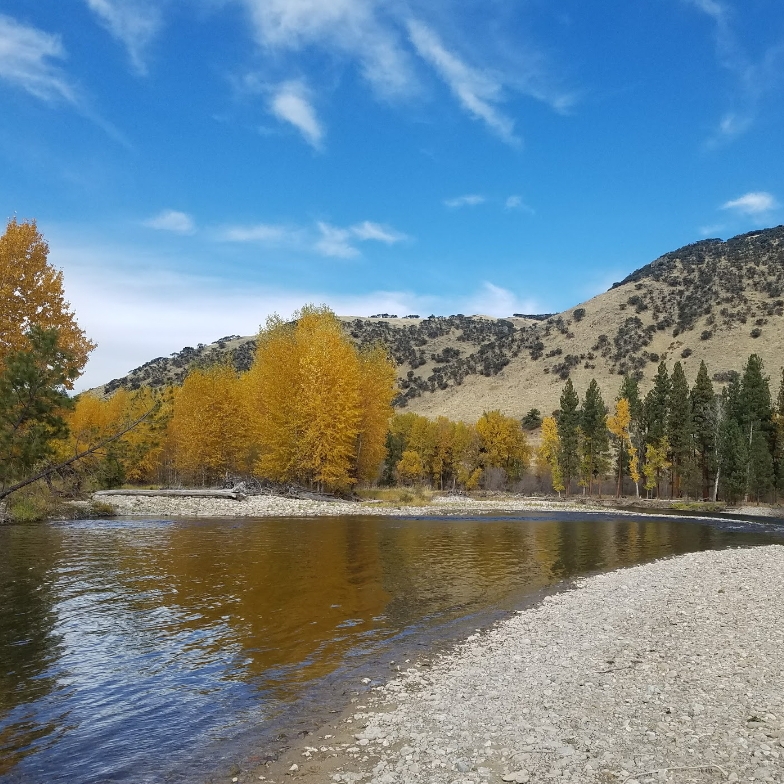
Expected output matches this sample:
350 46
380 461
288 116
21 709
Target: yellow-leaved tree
547 456
209 425
377 378
319 407
133 457
503 443
618 424
656 464
410 467
31 295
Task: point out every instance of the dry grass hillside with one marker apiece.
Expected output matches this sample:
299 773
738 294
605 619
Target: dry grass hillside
712 300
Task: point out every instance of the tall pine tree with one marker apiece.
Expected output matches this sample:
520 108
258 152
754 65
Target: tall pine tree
679 426
656 406
595 438
778 455
703 426
569 434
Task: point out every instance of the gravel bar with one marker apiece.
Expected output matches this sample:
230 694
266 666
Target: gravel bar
166 504
671 671
280 506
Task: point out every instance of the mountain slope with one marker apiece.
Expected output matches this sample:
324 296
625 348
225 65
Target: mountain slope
712 300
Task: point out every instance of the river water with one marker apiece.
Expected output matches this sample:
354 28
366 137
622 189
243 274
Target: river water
150 650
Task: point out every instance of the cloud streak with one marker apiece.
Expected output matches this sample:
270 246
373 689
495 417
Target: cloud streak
492 300
173 221
291 103
469 200
478 92
755 204
753 79
352 28
324 238
134 23
26 61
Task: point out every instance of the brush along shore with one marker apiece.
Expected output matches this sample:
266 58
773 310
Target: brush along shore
666 672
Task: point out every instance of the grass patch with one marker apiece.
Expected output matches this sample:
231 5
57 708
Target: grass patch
394 496
99 510
697 506
33 505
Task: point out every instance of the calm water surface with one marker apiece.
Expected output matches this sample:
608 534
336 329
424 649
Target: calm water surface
140 651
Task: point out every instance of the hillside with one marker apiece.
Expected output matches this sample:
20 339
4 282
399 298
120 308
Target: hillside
712 300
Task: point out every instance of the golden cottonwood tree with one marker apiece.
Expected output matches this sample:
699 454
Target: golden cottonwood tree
410 467
319 407
656 464
547 457
618 424
31 295
377 379
208 428
503 443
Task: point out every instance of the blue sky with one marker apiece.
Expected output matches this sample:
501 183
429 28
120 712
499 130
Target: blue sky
198 164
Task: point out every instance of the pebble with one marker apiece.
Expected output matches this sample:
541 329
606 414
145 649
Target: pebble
626 678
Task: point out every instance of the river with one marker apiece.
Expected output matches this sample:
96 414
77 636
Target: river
178 650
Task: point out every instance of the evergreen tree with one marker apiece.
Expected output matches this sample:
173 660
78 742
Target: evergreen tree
755 412
679 426
569 434
778 455
760 467
630 389
595 440
656 406
33 380
733 458
703 425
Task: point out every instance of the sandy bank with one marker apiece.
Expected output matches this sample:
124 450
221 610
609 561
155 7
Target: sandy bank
670 671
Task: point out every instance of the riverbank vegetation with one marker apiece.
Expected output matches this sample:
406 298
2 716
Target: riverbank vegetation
315 410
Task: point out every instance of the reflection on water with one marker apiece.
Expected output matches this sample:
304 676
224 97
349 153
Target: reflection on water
127 648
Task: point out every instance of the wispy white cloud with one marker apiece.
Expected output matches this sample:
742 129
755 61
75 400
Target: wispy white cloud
492 300
390 44
469 200
291 103
375 231
134 23
322 238
479 92
353 28
517 203
26 55
711 230
756 204
258 232
753 78
172 220
136 312
335 241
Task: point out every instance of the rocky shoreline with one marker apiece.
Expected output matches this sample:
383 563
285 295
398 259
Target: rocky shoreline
194 505
670 671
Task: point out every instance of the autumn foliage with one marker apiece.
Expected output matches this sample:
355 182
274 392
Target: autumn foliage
31 295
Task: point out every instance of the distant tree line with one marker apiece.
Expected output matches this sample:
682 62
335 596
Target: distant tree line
675 441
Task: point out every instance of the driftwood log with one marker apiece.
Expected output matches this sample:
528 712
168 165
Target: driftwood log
214 493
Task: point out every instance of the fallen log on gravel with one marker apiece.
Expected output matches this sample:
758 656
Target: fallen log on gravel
209 493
